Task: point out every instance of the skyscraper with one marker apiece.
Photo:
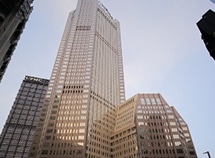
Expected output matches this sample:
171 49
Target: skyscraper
18 131
13 17
86 85
146 126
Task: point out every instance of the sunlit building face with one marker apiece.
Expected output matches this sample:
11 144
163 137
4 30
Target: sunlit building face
146 126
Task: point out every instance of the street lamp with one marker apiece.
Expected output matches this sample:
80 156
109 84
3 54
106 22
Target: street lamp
207 152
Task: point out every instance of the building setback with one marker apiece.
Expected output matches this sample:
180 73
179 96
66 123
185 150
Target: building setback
147 127
18 131
13 17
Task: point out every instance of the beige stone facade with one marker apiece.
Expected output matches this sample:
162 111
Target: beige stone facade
147 127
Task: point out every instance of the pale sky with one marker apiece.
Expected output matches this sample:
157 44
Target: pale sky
162 51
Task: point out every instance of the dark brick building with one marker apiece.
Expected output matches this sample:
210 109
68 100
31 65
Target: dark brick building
206 26
13 17
17 134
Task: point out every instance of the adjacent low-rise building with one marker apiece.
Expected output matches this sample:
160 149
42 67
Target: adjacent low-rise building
147 127
18 131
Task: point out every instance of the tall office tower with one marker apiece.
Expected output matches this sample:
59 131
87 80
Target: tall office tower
13 17
147 127
17 134
86 85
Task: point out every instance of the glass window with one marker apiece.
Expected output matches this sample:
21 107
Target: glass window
158 100
153 101
186 134
83 111
139 111
170 116
148 101
184 128
142 100
140 117
80 137
82 124
140 123
174 129
176 136
81 130
172 123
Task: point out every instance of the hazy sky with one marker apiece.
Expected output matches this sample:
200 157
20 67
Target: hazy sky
162 51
